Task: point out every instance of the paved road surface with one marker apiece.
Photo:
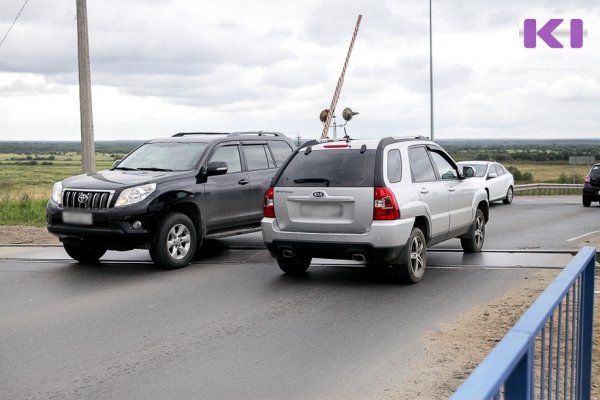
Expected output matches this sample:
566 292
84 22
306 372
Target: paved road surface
231 326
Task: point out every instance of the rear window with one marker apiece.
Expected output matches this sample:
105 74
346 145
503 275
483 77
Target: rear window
595 172
333 168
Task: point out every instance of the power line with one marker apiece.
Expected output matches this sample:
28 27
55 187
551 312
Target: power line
13 24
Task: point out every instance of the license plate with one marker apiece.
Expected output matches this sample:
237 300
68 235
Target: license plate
321 210
77 218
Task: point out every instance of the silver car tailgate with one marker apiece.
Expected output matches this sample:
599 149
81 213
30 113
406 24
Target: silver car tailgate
324 209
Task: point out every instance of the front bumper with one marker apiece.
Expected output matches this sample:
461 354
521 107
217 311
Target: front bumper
111 228
383 243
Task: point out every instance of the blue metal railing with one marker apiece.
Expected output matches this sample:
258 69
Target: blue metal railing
548 353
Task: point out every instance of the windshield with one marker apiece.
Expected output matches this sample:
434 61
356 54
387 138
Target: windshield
172 156
480 169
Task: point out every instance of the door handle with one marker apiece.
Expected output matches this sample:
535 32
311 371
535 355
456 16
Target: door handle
424 191
243 181
452 189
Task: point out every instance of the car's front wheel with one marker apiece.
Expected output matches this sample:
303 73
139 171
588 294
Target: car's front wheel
175 242
84 252
509 196
474 243
412 268
295 265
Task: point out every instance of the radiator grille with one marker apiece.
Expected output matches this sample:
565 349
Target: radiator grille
89 199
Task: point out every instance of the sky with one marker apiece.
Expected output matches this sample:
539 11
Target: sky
164 66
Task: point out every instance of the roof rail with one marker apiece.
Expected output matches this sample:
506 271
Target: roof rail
398 138
180 134
258 133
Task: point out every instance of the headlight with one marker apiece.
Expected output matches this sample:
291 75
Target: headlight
135 194
57 192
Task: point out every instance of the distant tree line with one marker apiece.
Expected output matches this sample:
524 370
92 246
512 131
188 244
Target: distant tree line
57 148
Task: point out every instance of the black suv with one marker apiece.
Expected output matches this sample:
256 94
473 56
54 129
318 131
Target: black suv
591 186
168 195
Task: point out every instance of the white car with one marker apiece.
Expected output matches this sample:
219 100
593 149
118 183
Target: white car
498 182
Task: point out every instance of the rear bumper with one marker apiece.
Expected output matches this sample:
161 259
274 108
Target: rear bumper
591 193
384 243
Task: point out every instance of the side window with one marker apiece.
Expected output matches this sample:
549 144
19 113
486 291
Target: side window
445 170
499 169
281 151
231 155
420 165
394 166
256 157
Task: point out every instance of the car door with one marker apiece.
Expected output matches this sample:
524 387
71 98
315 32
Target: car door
432 192
226 196
261 169
495 182
460 192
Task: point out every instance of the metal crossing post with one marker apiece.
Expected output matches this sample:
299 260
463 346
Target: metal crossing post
338 88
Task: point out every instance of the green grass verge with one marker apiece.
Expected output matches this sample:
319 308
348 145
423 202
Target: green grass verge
22 210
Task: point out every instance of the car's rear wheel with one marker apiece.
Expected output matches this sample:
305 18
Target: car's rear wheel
295 265
412 268
175 242
474 243
509 196
84 252
586 202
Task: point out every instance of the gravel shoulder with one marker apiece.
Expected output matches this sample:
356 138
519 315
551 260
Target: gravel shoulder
15 234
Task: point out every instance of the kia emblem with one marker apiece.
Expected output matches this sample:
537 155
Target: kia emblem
318 194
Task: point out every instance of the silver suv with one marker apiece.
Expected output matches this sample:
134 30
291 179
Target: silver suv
383 201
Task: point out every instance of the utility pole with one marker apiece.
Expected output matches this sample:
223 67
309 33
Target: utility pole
430 73
88 151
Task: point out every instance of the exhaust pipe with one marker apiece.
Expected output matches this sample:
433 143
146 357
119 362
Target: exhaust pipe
287 253
358 257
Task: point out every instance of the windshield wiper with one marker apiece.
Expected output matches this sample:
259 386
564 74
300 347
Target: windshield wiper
125 168
312 180
155 169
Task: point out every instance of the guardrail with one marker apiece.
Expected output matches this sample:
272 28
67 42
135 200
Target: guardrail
548 352
538 186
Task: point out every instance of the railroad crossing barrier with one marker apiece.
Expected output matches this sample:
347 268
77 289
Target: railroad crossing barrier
548 352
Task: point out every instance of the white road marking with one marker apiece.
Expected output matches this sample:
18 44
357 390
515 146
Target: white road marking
582 236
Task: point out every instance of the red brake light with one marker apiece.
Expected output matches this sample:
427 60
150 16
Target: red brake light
385 206
269 204
587 179
335 146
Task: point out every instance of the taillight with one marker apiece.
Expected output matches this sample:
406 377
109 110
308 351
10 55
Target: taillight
587 179
385 206
269 204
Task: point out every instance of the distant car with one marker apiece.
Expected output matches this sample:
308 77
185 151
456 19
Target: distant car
591 186
498 182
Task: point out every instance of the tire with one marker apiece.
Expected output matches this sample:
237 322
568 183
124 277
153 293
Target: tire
474 243
411 268
586 202
84 252
509 196
175 242
294 266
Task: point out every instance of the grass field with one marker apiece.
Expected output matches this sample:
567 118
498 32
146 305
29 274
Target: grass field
24 189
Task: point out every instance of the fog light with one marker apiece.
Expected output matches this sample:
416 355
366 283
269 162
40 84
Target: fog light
137 225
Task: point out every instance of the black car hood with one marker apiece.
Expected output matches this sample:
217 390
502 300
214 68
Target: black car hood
119 179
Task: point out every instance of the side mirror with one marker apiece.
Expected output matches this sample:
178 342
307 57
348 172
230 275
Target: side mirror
492 175
216 168
468 172
116 162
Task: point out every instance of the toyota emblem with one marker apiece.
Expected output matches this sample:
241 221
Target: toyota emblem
83 198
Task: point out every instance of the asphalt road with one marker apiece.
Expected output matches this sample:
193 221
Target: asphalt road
231 326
